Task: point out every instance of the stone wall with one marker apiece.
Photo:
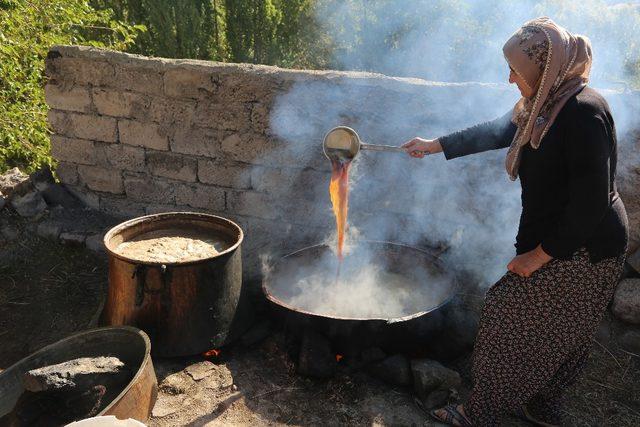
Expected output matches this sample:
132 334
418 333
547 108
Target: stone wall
135 135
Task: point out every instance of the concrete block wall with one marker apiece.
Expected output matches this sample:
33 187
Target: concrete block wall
134 135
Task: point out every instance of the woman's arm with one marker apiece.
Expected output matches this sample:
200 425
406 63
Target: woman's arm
486 136
588 146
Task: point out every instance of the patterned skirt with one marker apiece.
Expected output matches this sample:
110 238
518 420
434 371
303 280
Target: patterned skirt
535 335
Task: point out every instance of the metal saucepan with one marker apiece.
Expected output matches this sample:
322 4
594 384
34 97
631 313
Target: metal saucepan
343 144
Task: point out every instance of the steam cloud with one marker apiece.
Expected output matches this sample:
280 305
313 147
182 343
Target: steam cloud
467 204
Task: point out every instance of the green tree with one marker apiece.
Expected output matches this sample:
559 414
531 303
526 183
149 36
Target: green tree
27 29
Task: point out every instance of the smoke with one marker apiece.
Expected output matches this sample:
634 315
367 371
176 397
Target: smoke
369 285
467 205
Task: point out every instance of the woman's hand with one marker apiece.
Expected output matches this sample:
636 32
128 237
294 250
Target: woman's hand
418 147
526 264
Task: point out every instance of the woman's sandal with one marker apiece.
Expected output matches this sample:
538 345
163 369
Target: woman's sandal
452 415
524 414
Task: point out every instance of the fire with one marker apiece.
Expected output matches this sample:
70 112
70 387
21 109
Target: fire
339 357
339 191
211 353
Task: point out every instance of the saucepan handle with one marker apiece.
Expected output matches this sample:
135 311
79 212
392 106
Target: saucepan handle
376 147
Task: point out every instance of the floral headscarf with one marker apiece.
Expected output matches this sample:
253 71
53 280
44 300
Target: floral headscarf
555 64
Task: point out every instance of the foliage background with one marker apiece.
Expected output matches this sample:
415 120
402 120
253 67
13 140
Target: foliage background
449 40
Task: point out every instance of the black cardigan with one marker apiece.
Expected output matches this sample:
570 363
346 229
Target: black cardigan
569 197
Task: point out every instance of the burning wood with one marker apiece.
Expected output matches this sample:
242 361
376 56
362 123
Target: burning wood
211 353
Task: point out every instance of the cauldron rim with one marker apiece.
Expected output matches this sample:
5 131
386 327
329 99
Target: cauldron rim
434 259
165 216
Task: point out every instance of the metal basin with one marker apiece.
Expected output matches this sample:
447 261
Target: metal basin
403 308
137 394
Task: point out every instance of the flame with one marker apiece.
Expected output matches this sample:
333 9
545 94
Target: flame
339 191
211 353
339 357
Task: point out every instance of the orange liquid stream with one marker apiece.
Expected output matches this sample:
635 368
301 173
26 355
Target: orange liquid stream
339 191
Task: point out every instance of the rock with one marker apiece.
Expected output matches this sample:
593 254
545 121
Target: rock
429 376
42 178
316 358
63 375
200 370
29 205
57 195
626 301
95 242
394 369
372 354
49 230
10 232
436 399
630 341
3 201
258 332
14 183
72 238
634 261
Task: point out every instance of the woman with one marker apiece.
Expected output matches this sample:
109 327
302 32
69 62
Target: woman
539 319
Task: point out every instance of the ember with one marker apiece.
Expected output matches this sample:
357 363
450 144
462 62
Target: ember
339 191
211 353
339 357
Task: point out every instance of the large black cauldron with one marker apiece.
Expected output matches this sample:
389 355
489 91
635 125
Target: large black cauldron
430 286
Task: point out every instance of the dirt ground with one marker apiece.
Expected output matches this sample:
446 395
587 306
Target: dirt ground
48 291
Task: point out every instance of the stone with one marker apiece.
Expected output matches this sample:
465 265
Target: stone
200 196
72 238
436 399
14 182
200 370
67 173
630 341
626 301
49 230
252 203
57 195
372 354
101 179
42 178
430 375
172 111
83 126
171 165
80 71
145 79
634 260
121 207
394 369
29 205
230 116
195 82
85 197
3 200
75 98
115 103
197 141
95 242
316 358
144 188
224 175
10 232
64 375
147 135
120 156
72 150
258 332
